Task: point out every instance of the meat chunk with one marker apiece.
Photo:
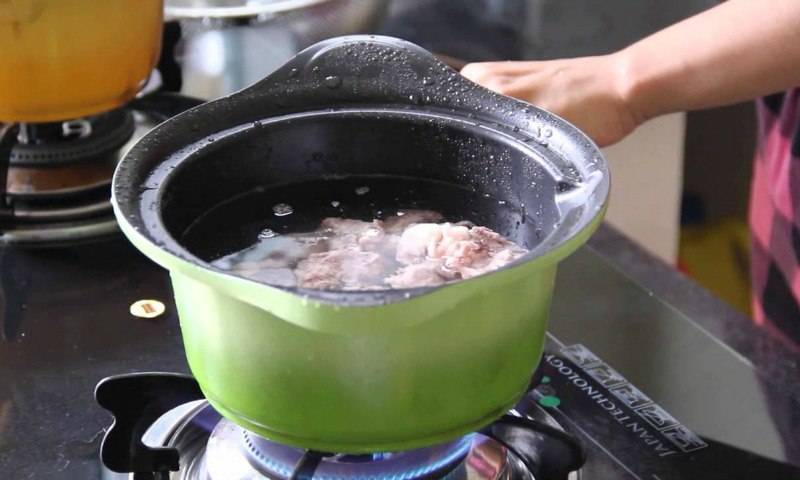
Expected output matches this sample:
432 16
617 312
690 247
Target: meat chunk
341 227
343 269
418 242
403 251
397 223
274 253
417 275
457 251
492 262
346 233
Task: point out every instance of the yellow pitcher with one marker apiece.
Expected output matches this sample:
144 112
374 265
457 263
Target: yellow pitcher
62 59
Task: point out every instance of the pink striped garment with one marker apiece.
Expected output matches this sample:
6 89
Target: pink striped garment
775 216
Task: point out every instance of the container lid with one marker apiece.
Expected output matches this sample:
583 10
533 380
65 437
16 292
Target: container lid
187 9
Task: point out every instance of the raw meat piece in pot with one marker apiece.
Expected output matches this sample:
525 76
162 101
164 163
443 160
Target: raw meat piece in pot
348 233
397 223
417 275
343 269
457 251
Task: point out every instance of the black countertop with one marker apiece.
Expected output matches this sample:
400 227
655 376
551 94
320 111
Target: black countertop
781 361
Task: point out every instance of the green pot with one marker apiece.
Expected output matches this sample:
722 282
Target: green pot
357 372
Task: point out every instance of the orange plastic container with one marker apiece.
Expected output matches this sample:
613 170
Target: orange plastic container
62 59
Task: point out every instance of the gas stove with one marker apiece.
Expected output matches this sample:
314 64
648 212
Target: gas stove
581 419
58 174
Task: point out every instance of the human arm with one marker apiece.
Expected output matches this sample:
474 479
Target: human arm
736 51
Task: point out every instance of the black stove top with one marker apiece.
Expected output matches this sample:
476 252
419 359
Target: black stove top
648 392
57 175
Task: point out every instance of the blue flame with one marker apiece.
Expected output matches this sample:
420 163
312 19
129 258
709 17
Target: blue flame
410 472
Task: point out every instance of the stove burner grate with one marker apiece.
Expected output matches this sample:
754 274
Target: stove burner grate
58 143
284 462
55 177
177 419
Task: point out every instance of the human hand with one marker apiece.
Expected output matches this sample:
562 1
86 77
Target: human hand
590 92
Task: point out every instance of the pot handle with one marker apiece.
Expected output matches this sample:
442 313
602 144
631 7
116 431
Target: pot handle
136 401
370 70
549 453
364 70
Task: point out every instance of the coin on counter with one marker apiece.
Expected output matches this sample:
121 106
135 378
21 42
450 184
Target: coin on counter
147 308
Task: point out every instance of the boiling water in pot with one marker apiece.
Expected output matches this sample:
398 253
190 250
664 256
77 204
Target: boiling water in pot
359 233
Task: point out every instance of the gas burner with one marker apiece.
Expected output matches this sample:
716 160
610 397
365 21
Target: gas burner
58 174
233 453
260 458
73 141
195 443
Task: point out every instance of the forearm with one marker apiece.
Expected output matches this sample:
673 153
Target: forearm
736 51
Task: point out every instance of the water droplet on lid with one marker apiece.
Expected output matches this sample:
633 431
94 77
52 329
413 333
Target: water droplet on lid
333 81
400 213
315 69
266 233
294 72
548 133
362 190
335 203
516 128
415 98
428 81
281 210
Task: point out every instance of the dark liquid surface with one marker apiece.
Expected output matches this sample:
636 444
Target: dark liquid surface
236 224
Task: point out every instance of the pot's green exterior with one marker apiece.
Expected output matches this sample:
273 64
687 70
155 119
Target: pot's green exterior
451 372
363 379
